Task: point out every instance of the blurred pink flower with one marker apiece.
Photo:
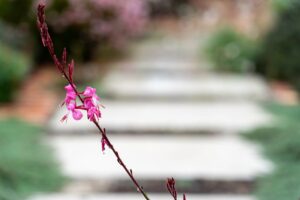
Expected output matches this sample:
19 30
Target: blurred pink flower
114 20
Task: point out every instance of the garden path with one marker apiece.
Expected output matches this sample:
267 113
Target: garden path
169 114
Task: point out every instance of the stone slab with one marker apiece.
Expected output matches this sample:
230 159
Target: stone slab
160 50
168 117
159 65
216 158
196 87
184 47
127 196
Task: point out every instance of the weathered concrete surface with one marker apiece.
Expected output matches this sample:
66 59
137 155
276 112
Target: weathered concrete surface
176 117
186 157
199 87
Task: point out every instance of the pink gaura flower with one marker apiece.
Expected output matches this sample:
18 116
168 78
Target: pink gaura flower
90 103
93 113
71 105
90 96
70 94
70 101
90 92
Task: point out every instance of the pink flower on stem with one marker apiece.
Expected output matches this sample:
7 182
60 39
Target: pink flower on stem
90 92
70 94
70 101
93 113
91 103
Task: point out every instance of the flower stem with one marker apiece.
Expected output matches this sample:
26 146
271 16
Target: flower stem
47 42
110 145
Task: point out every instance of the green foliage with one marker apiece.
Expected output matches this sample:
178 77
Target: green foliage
13 68
281 144
230 51
13 36
168 7
282 5
279 58
283 183
15 11
25 163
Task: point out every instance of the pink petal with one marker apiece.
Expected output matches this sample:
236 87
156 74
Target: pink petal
94 113
69 88
77 115
89 91
71 106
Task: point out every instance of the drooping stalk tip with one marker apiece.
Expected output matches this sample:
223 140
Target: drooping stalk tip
170 183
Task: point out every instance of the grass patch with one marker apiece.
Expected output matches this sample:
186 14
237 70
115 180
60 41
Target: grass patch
281 143
26 165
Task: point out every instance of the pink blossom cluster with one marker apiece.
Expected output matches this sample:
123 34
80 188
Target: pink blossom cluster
114 20
90 103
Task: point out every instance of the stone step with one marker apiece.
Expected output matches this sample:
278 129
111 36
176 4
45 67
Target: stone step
175 56
157 51
165 65
175 47
167 117
166 48
129 196
206 164
158 86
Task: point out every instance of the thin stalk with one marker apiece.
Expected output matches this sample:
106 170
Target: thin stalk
110 145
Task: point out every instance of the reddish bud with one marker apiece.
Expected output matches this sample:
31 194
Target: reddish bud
41 22
103 141
171 187
45 36
64 118
71 70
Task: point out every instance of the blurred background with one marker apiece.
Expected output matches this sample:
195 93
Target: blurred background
205 91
